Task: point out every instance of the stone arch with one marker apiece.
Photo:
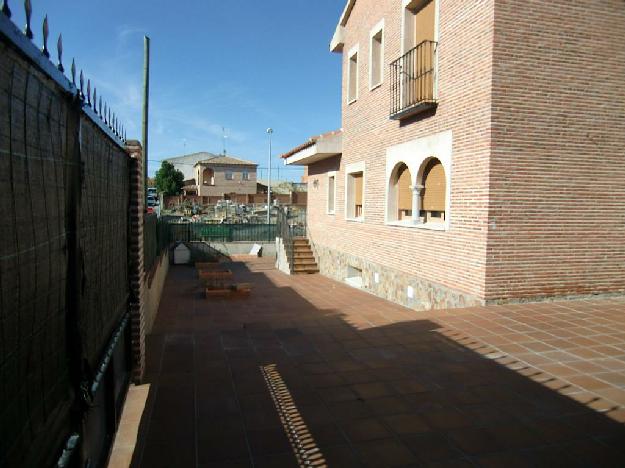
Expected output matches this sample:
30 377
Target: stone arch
208 176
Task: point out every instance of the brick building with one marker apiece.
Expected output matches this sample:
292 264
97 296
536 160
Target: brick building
216 176
482 155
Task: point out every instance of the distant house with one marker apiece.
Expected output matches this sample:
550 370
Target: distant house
221 175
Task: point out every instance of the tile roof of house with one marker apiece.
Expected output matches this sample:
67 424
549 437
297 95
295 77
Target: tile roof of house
227 160
311 141
204 156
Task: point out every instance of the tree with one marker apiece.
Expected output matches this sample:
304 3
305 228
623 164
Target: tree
168 179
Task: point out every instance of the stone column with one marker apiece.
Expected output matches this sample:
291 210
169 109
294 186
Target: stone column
136 259
416 203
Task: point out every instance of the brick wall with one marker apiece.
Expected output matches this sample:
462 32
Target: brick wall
456 258
557 204
236 185
136 257
533 95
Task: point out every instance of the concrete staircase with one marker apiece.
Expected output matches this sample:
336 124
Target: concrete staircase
303 259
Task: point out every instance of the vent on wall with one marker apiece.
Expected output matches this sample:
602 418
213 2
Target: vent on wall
354 276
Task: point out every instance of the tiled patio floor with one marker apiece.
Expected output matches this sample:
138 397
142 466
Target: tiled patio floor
240 382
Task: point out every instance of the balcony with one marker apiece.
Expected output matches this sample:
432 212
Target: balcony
413 79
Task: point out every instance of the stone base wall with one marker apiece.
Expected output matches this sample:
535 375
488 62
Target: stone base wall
391 284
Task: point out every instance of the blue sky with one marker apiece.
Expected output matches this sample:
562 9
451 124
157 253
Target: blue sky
242 64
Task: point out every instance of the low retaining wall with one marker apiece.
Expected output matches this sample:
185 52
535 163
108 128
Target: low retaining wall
282 261
390 284
243 248
155 281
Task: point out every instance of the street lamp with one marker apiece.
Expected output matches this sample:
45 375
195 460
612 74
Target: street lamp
270 132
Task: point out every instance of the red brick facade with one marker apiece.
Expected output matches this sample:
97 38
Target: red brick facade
136 257
532 93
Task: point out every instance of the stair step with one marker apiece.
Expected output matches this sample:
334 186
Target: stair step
305 270
304 262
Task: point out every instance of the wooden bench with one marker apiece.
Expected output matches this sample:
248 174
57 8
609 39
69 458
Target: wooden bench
208 275
229 291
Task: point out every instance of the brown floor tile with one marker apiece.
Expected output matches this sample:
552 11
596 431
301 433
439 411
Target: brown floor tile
384 453
404 424
365 429
492 379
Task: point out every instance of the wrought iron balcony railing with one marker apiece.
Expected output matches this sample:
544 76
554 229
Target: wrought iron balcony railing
413 80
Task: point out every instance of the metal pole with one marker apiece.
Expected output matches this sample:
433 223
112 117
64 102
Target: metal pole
270 132
146 97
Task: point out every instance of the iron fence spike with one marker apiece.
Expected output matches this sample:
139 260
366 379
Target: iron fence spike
5 8
46 32
82 84
95 99
28 9
100 106
59 52
104 112
73 71
89 92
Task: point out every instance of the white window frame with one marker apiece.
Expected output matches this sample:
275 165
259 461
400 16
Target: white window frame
378 28
245 175
353 51
231 175
328 211
413 154
349 170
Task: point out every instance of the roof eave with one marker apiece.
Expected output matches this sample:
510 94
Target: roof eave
338 40
322 149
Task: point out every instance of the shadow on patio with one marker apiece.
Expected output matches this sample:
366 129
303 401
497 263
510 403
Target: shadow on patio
307 363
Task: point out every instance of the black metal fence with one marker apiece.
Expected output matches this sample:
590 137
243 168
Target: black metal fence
413 78
190 232
155 239
64 191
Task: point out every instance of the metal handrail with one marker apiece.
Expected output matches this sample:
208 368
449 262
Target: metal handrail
413 77
290 225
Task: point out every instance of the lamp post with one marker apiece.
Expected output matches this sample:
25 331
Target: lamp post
269 132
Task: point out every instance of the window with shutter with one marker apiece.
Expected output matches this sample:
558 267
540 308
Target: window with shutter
433 194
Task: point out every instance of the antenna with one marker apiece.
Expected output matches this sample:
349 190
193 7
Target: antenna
223 131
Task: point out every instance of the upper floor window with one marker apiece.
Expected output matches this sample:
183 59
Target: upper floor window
419 23
413 74
208 176
229 175
352 75
376 55
245 175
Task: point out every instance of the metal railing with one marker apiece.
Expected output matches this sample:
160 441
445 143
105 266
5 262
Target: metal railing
412 80
208 232
290 225
155 239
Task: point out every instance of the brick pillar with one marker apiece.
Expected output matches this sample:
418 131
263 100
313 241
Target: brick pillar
136 258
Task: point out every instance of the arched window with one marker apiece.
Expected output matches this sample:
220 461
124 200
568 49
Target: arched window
208 176
434 191
404 193
400 194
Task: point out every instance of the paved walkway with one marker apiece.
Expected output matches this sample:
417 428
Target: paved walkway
310 369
